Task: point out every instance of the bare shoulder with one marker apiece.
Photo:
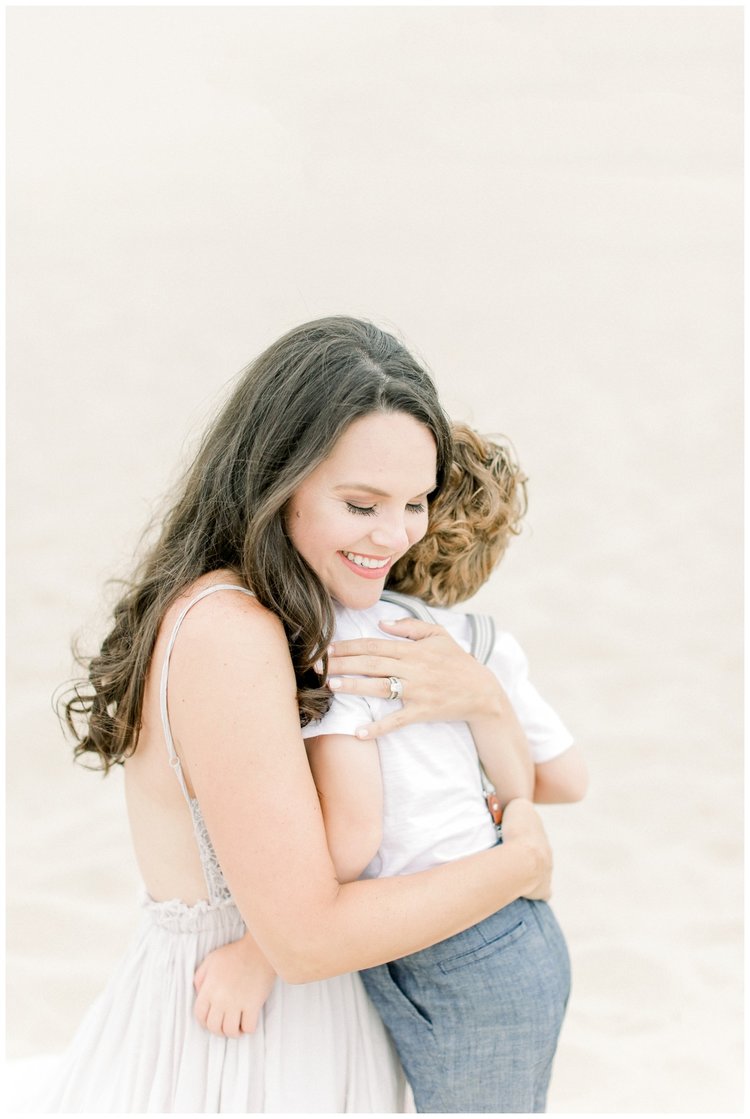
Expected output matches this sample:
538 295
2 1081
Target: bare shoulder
228 644
224 618
231 678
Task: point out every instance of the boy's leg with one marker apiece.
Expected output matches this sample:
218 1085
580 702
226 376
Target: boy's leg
476 1018
410 1029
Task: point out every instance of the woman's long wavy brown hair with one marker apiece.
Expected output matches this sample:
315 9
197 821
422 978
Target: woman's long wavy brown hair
472 519
288 409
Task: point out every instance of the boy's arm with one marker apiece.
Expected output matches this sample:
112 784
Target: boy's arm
504 751
555 766
346 772
561 780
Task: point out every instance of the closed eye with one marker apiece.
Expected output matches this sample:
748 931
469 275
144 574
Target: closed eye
371 510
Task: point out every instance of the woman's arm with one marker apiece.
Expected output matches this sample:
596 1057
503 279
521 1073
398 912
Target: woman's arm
234 714
234 981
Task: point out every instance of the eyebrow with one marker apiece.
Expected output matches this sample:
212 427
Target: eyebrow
362 488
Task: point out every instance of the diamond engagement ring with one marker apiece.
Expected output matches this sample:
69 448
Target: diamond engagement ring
397 688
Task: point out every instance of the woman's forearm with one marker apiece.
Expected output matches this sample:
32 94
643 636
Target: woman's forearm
372 921
243 754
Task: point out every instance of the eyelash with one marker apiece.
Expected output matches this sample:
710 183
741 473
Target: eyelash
371 511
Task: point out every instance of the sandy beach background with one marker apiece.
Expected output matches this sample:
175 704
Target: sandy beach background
545 203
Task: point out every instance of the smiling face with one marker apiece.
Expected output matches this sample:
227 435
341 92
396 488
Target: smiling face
364 505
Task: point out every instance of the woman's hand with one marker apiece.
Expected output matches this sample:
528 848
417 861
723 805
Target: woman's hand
522 825
441 682
232 983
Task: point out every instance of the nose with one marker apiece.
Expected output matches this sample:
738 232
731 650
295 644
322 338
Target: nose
391 535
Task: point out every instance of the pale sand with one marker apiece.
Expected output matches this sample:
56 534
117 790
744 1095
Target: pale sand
546 202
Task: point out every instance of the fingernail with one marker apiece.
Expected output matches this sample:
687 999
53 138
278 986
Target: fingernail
331 650
361 732
318 667
334 683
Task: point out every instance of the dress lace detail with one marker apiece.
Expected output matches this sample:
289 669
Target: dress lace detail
177 916
218 891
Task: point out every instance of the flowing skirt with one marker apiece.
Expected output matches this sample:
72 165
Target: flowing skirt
319 1047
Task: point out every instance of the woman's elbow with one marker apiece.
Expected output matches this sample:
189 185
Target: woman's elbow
309 961
298 972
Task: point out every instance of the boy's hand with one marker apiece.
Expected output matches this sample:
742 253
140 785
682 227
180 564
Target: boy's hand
232 983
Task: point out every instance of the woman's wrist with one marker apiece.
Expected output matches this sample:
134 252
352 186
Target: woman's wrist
525 838
522 865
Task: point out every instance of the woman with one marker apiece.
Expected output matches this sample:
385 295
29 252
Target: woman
476 1018
200 690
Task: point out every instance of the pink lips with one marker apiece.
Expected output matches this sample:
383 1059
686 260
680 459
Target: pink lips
367 572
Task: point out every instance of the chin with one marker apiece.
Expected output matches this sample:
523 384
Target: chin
359 598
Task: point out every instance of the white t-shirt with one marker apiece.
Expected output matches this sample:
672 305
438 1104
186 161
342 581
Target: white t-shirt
434 809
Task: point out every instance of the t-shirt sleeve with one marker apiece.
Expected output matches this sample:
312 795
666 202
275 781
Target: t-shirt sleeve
547 734
346 713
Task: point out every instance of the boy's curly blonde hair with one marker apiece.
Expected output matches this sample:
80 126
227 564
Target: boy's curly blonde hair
472 519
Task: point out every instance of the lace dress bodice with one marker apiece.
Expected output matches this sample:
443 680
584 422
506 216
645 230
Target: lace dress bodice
218 891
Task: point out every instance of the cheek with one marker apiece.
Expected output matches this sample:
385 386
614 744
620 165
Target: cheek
292 521
301 531
315 534
417 529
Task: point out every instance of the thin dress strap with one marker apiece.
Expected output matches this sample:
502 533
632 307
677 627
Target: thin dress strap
218 891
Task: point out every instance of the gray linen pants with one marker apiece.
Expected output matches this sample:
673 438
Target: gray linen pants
476 1018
